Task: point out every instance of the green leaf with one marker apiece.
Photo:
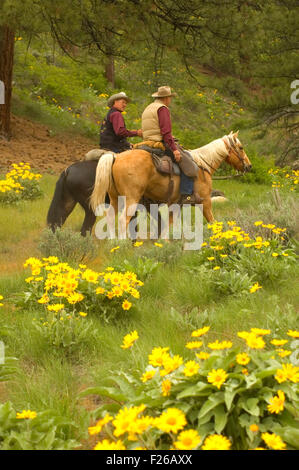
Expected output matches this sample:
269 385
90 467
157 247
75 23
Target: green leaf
220 418
250 405
194 390
104 392
211 403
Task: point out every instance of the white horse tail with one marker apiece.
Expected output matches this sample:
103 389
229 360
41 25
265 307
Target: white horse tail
102 180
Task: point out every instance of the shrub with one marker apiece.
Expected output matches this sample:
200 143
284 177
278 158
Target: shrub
20 183
67 245
28 430
227 397
57 287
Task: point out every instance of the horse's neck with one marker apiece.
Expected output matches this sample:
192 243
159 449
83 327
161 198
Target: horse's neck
210 156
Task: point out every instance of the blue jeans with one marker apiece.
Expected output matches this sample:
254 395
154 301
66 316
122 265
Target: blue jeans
186 184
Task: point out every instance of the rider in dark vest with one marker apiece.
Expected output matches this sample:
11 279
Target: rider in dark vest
113 134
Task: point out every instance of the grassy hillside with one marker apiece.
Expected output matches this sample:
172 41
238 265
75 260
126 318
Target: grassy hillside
72 96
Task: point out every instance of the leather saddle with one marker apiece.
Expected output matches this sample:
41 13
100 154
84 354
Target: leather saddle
162 162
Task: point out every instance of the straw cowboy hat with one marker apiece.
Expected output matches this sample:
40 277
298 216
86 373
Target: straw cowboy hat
117 96
163 92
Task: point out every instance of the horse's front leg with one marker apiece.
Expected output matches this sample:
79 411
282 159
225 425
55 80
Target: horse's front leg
207 209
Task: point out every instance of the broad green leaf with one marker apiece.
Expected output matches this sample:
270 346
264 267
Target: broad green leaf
194 390
220 418
211 403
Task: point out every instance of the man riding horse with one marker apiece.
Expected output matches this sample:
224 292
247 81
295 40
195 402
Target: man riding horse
113 134
156 127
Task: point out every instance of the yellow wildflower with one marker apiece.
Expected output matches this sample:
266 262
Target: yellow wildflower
277 403
200 332
26 414
129 340
109 445
171 420
187 440
166 387
216 442
273 441
217 377
191 368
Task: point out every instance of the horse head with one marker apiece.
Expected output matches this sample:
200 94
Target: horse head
236 154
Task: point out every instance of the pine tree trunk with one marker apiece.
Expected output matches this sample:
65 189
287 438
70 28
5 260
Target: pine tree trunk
110 71
7 41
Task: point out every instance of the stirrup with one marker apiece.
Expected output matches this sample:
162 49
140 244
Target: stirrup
190 199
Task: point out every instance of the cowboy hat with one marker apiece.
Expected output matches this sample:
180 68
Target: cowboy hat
163 92
117 96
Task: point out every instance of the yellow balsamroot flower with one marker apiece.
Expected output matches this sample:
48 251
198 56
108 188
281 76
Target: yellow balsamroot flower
288 372
252 340
125 418
202 331
148 375
92 430
273 441
159 245
254 288
109 445
166 387
126 305
283 352
158 356
129 340
202 355
26 414
278 342
1 298
242 359
217 377
100 290
254 428
117 291
170 364
55 308
260 331
187 440
75 298
293 333
220 345
216 442
191 368
90 276
172 420
137 244
277 403
83 314
258 222
194 344
138 426
114 249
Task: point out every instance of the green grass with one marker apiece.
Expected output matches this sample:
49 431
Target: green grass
173 301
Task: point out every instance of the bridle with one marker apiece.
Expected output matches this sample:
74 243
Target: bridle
232 146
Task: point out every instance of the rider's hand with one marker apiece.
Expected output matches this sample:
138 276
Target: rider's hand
177 155
139 132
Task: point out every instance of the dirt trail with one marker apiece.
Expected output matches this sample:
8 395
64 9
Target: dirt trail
31 142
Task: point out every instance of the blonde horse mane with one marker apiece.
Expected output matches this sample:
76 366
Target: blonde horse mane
210 154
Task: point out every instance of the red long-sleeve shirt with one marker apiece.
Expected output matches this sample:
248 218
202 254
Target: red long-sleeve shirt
165 127
119 126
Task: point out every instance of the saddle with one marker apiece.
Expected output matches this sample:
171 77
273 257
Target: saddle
164 164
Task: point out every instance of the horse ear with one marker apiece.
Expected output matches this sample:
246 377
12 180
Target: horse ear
236 134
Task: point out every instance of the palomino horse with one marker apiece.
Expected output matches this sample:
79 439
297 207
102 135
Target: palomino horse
133 175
